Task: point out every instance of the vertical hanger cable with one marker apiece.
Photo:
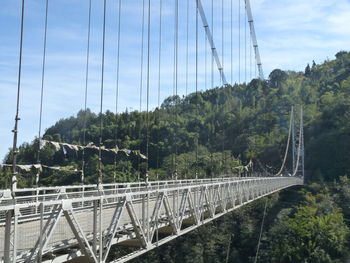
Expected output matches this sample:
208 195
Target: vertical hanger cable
42 89
197 112
17 118
148 86
222 37
239 41
100 178
117 89
159 75
141 82
86 93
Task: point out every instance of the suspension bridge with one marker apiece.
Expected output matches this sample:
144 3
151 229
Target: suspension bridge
90 222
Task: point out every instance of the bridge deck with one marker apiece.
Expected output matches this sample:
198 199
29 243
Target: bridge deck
58 223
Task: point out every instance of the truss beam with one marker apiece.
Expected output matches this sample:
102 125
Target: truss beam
57 223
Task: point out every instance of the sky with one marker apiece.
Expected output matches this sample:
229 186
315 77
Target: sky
290 35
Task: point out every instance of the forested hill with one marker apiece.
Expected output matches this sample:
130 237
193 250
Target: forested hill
232 125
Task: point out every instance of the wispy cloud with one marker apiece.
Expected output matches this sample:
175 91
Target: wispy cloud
294 33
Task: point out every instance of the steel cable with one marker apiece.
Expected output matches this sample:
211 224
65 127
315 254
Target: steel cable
101 95
300 138
222 38
117 88
212 52
42 87
250 56
159 76
176 80
17 118
187 42
86 92
245 43
141 82
148 86
197 112
288 142
205 60
43 77
261 230
231 51
239 41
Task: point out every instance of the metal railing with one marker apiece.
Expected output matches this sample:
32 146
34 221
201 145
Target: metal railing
58 223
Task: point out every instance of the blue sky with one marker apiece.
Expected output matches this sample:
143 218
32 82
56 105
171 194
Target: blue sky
290 34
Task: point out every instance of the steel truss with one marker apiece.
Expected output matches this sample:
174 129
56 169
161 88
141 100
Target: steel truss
55 224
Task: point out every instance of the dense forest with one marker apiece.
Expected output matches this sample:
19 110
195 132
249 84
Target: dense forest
212 132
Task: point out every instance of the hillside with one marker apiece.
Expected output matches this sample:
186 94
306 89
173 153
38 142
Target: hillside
232 125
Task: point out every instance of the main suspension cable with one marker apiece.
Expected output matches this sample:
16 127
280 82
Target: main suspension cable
42 89
100 178
295 171
288 142
250 56
17 118
117 89
86 92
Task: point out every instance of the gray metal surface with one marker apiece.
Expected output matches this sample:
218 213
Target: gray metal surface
55 224
254 39
211 41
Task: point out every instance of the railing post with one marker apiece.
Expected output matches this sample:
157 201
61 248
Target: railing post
7 241
147 230
100 247
11 235
15 231
94 227
41 207
143 213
